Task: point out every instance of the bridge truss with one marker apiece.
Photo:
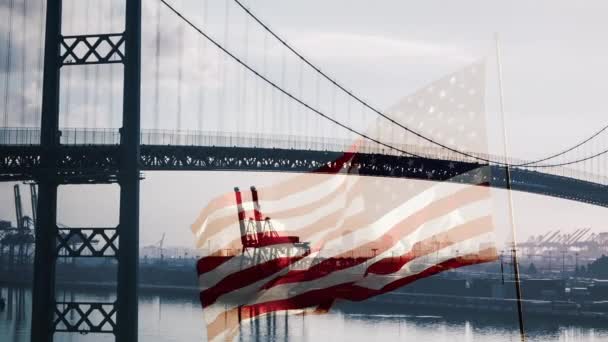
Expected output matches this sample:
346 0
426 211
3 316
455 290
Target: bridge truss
101 164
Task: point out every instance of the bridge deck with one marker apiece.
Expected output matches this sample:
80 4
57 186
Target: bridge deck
100 164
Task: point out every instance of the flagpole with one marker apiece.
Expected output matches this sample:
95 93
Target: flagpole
509 194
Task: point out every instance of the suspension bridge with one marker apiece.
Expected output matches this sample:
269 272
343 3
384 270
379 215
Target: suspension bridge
240 98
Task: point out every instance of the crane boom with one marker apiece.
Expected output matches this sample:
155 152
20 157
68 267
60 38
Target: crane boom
569 237
34 199
575 235
552 236
18 207
580 236
160 243
540 240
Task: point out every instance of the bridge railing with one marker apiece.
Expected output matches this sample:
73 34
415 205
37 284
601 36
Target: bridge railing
72 136
80 136
19 136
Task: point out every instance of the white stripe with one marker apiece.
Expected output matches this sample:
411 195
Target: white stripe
469 246
242 296
380 227
326 185
232 233
212 277
238 263
375 281
356 272
268 207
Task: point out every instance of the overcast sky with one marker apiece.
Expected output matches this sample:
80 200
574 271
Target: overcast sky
554 76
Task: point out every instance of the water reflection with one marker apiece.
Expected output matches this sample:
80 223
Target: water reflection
179 318
15 318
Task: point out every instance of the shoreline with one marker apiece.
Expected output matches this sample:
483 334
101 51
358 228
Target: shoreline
566 311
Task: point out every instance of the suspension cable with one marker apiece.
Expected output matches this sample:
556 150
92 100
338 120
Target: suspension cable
338 123
581 143
576 161
377 111
275 86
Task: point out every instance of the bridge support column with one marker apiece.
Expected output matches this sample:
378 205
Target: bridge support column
128 255
43 288
48 315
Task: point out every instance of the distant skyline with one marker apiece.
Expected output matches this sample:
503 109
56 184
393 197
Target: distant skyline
183 194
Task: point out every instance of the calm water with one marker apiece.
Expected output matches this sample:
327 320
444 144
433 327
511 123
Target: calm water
170 318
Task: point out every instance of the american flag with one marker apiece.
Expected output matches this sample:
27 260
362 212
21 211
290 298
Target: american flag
450 110
313 239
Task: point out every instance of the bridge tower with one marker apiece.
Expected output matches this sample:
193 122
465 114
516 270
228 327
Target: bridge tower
119 317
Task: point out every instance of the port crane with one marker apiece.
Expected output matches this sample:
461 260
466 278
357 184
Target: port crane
20 237
160 247
260 240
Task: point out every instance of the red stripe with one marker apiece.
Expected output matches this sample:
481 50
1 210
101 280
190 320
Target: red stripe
325 297
336 166
264 240
405 226
245 277
257 210
352 292
208 263
432 244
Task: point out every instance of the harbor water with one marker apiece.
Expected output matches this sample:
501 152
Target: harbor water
164 318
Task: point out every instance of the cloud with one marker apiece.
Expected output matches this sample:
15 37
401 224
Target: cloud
351 46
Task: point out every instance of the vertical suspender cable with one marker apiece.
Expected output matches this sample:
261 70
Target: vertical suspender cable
363 122
23 64
275 121
157 69
605 161
332 113
223 111
304 126
599 163
180 77
238 91
112 70
69 72
348 112
256 104
318 100
284 119
244 110
595 163
96 111
180 71
202 50
265 90
87 88
39 64
7 76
